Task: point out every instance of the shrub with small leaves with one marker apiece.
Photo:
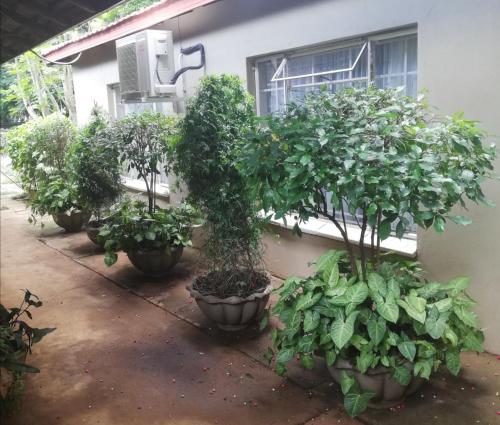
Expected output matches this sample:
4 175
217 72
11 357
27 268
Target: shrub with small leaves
392 319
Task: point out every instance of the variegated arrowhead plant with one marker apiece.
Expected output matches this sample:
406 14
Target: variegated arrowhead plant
393 317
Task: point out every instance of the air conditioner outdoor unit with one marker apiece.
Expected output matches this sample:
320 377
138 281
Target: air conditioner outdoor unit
146 65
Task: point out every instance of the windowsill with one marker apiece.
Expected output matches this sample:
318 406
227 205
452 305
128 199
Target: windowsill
326 229
139 186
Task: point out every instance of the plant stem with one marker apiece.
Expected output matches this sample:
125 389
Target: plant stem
362 245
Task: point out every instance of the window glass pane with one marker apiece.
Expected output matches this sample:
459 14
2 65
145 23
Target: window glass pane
271 94
396 63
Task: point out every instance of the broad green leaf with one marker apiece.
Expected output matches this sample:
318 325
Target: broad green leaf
384 230
285 355
18 367
311 320
280 369
328 260
435 323
439 224
150 235
443 305
460 219
307 361
307 300
357 293
376 329
356 403
402 375
414 306
423 368
453 361
333 278
466 316
377 284
451 336
346 382
407 349
473 343
330 357
364 360
388 309
342 331
457 285
110 258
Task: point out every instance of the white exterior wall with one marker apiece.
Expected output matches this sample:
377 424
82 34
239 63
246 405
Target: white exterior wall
458 63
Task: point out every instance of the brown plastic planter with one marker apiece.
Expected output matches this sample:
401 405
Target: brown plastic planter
72 222
388 392
155 263
233 313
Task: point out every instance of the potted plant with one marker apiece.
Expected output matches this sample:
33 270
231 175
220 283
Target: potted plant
153 241
236 289
386 160
152 237
16 341
38 148
95 159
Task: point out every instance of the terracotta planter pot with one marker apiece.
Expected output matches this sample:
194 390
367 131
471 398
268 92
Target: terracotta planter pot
72 222
233 313
93 228
388 392
155 263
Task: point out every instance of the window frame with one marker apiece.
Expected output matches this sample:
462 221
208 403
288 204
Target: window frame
328 47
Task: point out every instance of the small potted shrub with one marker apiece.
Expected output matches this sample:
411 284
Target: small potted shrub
236 289
40 154
95 158
386 160
58 196
152 237
17 338
153 241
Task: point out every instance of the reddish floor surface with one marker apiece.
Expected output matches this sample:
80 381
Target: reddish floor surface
129 350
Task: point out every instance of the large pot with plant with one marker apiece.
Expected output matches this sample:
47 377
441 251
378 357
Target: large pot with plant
387 161
17 338
153 240
235 290
95 158
152 237
40 151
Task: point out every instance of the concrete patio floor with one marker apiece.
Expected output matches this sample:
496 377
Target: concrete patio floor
131 350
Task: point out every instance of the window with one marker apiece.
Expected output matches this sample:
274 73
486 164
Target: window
387 61
118 109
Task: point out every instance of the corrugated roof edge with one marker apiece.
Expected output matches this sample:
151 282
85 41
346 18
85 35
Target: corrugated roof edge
137 21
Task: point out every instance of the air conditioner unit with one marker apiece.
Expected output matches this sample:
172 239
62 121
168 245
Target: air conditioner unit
146 65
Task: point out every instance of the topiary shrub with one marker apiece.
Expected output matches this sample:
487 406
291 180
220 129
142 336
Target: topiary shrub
213 130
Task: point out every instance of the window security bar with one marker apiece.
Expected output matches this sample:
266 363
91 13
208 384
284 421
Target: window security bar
315 74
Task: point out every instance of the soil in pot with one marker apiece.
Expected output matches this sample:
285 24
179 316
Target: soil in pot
72 222
388 392
157 262
232 299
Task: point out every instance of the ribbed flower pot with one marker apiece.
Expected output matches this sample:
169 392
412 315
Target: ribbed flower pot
388 392
232 313
71 222
93 228
155 263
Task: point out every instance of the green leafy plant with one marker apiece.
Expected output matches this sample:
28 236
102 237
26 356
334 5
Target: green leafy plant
373 153
143 141
386 160
17 338
131 226
395 319
217 119
94 158
39 148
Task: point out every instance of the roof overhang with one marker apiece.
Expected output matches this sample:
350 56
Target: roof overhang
154 15
26 24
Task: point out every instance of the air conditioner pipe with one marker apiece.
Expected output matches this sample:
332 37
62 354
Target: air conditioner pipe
188 51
